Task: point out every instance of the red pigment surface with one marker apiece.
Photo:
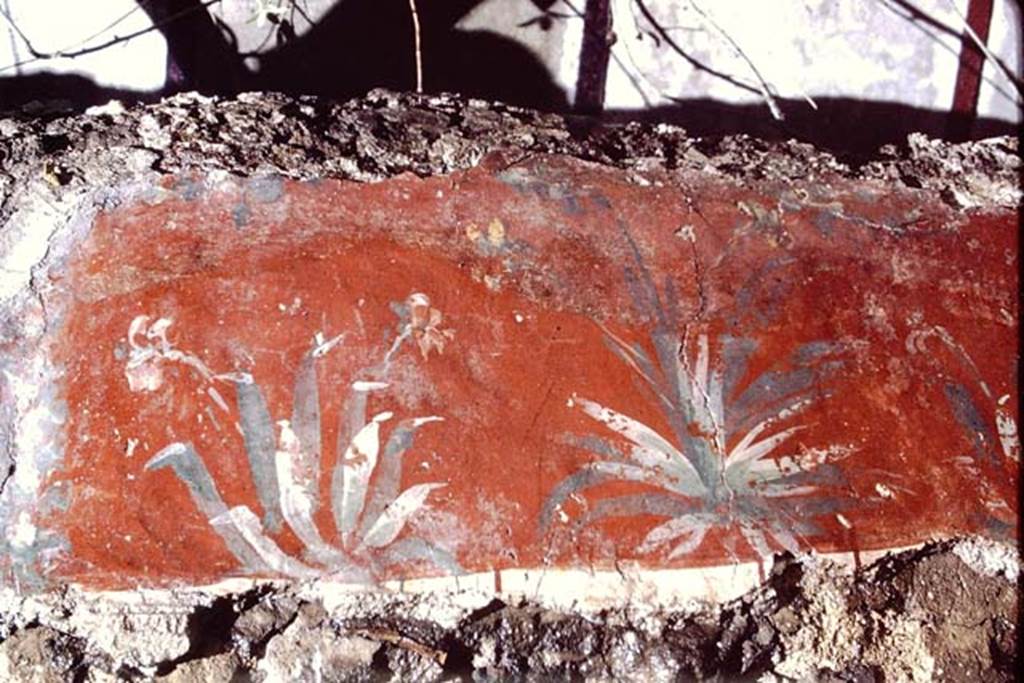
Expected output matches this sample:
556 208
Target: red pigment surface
875 340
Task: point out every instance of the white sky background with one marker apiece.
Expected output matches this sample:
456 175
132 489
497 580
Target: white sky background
818 48
55 25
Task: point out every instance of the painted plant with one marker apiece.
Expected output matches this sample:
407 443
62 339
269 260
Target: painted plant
986 422
370 509
719 466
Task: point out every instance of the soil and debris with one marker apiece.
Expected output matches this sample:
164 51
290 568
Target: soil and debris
945 611
386 134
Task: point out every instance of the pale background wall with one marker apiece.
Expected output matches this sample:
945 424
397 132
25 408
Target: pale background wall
866 49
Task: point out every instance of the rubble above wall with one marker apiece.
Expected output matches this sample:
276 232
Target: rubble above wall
386 134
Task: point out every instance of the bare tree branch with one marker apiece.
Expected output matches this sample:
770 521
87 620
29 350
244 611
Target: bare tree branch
663 32
38 55
595 53
766 93
907 11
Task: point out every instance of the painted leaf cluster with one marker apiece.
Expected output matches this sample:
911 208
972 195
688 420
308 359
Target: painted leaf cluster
720 464
370 509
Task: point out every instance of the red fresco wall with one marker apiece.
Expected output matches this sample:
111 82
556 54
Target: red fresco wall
548 364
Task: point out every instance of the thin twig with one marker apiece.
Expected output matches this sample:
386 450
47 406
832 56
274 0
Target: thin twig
116 40
11 35
624 25
302 12
418 47
139 5
17 29
664 32
773 106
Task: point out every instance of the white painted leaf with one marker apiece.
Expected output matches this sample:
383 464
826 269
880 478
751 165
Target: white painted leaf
248 527
691 543
716 409
700 375
628 472
357 465
786 412
360 385
759 449
393 519
167 455
323 347
297 505
665 466
1006 426
643 436
770 469
749 437
779 491
687 525
648 457
793 408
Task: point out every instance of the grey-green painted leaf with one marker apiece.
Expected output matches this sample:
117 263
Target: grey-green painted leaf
756 540
245 523
189 467
186 463
305 423
976 428
634 356
580 480
784 537
654 504
749 450
258 436
594 444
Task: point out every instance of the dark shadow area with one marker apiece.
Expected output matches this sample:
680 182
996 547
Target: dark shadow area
362 44
846 126
62 92
358 45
